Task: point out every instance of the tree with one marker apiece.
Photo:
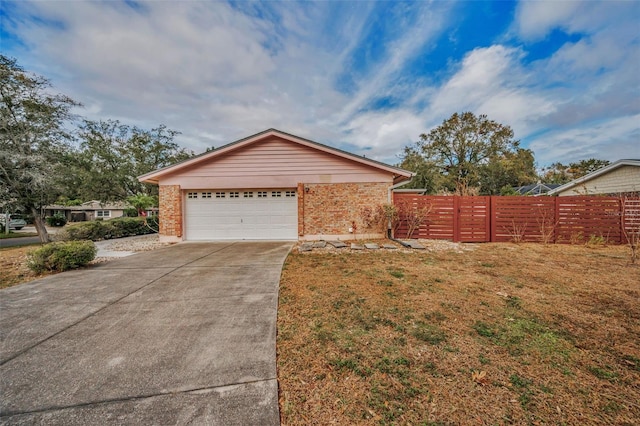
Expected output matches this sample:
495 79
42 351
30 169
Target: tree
142 202
584 167
512 169
561 174
556 173
112 155
427 176
33 138
473 154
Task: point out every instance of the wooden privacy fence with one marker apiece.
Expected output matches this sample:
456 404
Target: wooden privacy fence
506 218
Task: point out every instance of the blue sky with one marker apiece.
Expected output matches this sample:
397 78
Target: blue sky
365 76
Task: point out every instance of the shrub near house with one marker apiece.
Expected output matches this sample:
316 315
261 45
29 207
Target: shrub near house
56 220
114 228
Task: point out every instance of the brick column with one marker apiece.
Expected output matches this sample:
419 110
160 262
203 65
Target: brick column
300 209
170 201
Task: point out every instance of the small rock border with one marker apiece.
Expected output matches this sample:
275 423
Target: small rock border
138 244
408 246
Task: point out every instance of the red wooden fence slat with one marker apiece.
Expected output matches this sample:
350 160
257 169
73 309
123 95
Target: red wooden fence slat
543 219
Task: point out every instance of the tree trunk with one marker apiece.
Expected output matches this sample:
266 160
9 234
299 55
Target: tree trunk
40 228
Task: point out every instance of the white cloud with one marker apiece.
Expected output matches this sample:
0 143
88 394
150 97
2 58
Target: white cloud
189 65
420 29
492 81
383 135
218 73
609 139
534 19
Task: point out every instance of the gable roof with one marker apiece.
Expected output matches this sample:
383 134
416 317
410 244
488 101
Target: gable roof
400 175
594 174
536 188
92 205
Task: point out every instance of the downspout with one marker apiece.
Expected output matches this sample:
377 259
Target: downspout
398 185
389 197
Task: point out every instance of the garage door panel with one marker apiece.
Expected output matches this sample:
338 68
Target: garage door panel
241 214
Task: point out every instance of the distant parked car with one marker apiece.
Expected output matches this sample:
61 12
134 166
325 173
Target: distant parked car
15 221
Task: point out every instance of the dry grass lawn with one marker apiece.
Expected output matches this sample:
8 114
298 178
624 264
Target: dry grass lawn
501 334
13 266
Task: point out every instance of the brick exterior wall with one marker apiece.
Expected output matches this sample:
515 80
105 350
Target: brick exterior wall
170 201
300 195
330 209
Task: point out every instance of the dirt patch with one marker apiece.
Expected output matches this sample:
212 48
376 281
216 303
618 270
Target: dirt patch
13 264
499 334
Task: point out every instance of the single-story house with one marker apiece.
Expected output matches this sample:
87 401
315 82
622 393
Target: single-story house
536 188
272 186
89 210
621 177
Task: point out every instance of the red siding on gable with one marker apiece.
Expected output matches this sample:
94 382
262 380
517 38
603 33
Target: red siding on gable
274 163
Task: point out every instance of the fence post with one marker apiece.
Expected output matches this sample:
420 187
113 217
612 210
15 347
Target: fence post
556 218
492 219
623 239
456 218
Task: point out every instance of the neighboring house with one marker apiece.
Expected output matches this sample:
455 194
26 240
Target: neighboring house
618 178
90 210
272 186
536 188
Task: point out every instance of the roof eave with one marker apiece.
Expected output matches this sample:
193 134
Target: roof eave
593 174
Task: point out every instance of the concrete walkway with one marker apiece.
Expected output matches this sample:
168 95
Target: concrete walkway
179 335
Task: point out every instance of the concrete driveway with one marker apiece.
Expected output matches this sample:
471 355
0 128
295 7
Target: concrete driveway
180 335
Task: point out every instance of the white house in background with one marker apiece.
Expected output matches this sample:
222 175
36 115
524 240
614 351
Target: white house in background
90 210
619 177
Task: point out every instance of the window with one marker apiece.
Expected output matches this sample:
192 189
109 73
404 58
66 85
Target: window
192 195
103 213
234 195
262 194
206 195
276 194
219 194
248 195
290 194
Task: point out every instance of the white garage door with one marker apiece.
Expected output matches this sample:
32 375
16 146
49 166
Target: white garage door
248 214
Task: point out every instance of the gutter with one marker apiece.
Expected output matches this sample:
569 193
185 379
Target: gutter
398 185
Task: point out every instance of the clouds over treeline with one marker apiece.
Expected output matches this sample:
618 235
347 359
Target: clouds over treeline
365 76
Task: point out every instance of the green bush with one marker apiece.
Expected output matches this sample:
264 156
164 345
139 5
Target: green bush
107 229
61 256
131 212
56 220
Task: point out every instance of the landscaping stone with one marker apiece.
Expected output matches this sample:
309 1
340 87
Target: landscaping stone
320 244
355 246
305 247
337 244
415 245
389 246
372 246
